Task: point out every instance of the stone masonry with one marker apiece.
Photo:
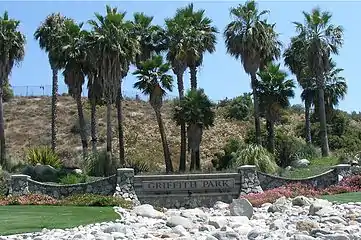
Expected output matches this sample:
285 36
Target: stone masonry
249 180
125 185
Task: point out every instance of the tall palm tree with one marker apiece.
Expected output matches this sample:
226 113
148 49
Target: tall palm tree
196 110
152 38
12 51
95 92
175 35
114 47
199 38
48 34
154 80
250 38
322 39
296 60
274 92
72 58
335 88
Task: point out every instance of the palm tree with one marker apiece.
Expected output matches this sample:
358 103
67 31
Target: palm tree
154 80
196 110
199 38
12 51
335 88
321 40
274 92
296 60
95 92
250 38
72 58
152 38
115 47
48 34
175 35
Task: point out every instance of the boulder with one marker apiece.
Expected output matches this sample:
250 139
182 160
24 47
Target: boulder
279 206
321 207
241 207
300 163
174 221
147 210
301 201
41 173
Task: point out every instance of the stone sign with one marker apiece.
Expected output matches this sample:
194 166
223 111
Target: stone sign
171 185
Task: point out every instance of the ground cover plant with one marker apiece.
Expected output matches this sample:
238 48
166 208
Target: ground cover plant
347 185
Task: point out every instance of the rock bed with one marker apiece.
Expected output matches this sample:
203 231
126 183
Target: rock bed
299 219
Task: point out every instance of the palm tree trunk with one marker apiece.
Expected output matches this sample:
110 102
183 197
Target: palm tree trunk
193 73
120 127
257 121
84 141
167 157
109 127
323 127
54 101
93 124
271 136
2 126
308 121
182 160
193 160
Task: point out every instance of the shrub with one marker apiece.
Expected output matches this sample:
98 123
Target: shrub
4 182
75 129
95 200
290 148
350 184
8 93
73 178
240 108
99 164
223 158
250 137
43 155
74 200
297 108
254 155
140 165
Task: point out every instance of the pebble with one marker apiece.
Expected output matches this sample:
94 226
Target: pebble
291 219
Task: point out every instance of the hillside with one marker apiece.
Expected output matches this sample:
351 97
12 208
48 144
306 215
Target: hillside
28 124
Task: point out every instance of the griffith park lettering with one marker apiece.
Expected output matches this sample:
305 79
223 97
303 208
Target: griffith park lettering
170 185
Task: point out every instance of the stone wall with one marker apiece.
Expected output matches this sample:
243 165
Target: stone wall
323 180
117 185
175 191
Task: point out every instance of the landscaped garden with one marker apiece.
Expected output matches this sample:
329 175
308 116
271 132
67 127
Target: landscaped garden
85 139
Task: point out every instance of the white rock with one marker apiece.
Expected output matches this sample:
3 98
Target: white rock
241 207
178 220
147 210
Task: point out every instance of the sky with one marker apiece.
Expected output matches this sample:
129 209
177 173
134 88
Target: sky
220 75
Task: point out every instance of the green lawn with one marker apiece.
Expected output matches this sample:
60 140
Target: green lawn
21 219
344 197
316 167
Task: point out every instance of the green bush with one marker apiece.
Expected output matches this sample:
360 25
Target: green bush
73 178
240 108
141 165
223 158
8 93
291 148
100 164
250 137
95 200
43 155
75 129
254 155
4 182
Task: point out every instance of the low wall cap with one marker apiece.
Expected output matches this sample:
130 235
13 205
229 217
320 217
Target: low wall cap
247 167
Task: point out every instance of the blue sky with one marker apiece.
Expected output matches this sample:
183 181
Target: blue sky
221 75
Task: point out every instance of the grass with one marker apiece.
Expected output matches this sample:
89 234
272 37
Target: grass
344 197
316 167
22 219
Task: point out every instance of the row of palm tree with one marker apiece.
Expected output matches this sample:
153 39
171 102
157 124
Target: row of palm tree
104 54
